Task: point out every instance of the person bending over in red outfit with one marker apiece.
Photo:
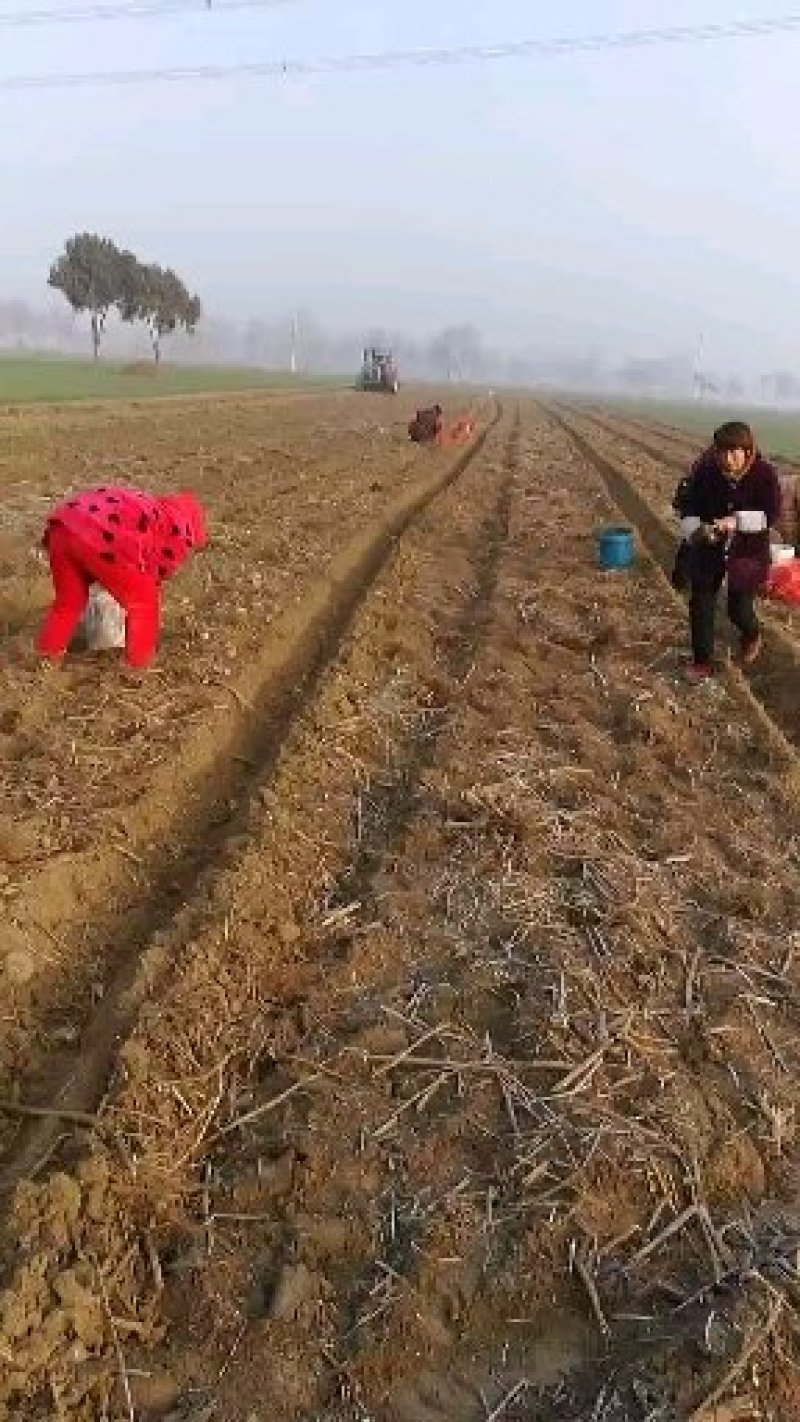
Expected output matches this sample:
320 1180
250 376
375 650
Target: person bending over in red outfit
127 541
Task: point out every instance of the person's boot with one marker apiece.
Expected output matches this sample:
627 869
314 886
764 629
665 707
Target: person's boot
698 673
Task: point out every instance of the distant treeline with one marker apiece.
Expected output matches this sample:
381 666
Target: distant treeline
457 352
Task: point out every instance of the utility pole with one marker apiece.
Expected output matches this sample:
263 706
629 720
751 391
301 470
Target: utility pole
294 341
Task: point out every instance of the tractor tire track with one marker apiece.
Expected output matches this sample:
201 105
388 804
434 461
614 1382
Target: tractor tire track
387 813
385 822
391 807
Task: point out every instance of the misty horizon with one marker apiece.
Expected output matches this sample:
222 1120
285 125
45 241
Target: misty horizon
599 214
457 353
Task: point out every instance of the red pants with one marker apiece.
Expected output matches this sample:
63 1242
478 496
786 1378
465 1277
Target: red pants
74 568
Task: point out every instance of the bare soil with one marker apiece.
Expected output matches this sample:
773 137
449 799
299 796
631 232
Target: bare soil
460 1079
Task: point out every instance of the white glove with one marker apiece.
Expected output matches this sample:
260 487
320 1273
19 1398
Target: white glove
751 521
689 526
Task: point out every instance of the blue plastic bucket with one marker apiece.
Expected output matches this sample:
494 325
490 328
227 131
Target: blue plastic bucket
615 548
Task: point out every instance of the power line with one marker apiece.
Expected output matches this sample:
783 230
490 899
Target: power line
535 49
133 10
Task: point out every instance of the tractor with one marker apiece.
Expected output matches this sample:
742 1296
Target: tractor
378 372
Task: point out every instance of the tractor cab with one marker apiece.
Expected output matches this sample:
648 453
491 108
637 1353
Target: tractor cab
378 371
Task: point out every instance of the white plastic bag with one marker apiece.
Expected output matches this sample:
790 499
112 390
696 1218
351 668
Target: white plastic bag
103 624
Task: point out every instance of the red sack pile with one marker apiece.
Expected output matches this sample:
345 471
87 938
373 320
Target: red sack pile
460 432
783 583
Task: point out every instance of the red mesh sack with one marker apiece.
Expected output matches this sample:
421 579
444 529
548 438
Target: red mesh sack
783 583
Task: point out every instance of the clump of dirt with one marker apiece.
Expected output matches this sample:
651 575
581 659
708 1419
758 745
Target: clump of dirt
734 1170
65 1314
18 841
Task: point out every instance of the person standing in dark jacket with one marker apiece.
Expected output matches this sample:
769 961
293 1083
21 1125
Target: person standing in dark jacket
732 502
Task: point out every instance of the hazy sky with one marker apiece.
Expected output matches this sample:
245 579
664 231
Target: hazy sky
626 201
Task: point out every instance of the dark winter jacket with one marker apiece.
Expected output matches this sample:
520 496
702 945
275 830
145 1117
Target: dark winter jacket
683 496
712 494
